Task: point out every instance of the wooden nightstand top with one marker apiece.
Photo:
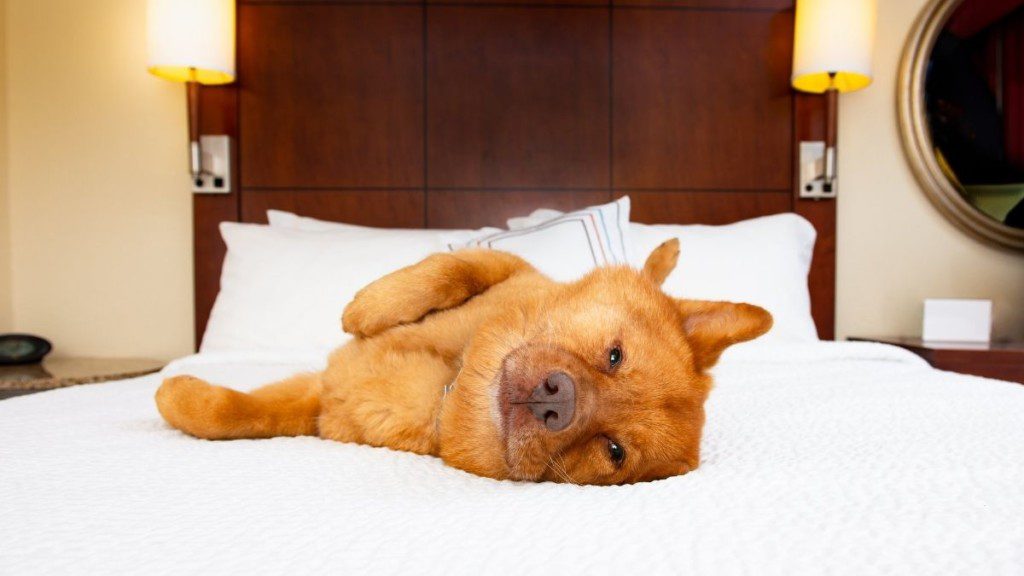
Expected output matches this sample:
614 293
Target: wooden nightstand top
1002 360
63 372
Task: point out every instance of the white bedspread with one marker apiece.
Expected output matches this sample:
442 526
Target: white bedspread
826 458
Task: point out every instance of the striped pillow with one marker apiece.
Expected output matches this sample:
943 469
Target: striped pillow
568 246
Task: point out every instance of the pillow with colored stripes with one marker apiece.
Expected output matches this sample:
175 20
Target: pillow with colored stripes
569 245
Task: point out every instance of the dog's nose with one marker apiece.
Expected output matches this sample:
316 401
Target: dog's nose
553 402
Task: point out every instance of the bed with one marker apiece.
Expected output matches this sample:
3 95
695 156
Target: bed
818 456
840 458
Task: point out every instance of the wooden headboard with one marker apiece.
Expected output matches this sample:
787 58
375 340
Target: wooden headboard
462 114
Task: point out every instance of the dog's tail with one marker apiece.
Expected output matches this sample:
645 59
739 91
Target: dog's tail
287 408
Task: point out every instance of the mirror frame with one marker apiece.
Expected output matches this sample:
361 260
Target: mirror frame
917 141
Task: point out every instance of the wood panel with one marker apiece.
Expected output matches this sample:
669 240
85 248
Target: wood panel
331 95
286 2
476 209
710 4
517 97
726 4
522 2
219 107
705 207
701 100
384 208
809 113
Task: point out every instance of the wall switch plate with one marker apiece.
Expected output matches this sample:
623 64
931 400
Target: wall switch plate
812 171
956 320
215 160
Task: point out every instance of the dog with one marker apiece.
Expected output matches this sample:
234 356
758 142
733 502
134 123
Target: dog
476 357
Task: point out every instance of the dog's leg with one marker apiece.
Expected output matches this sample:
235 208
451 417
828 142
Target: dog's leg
287 408
438 282
380 396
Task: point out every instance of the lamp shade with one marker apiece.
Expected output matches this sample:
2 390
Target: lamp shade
833 37
192 40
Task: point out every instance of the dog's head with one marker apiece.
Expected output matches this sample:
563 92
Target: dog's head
601 381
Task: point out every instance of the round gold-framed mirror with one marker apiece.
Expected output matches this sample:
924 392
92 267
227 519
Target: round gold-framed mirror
960 118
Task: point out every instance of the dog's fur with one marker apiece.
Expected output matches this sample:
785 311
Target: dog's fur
445 352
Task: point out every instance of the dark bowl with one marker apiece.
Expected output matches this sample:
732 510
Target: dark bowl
22 349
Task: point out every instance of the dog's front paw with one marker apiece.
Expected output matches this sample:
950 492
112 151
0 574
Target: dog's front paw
382 305
361 317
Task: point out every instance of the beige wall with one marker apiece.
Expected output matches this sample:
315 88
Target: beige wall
894 248
99 209
6 322
98 195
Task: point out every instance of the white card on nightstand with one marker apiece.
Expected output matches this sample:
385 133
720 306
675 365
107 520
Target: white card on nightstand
955 320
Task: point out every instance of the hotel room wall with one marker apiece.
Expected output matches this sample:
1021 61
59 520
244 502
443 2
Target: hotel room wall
99 205
894 248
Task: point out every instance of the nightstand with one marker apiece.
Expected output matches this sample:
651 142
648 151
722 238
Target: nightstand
1000 360
63 372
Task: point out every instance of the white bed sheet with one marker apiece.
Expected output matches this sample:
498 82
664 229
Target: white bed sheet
820 458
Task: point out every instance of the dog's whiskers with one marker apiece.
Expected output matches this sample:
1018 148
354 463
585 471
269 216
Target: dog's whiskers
561 464
558 467
551 465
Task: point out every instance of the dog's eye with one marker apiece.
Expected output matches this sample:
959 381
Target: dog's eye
615 452
614 356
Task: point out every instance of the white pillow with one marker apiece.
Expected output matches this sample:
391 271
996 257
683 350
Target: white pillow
569 245
284 290
536 217
281 219
763 261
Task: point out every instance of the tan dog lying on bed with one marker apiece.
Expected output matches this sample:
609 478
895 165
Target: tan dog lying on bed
477 358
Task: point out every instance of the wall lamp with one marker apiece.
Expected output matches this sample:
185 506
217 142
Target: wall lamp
193 41
832 48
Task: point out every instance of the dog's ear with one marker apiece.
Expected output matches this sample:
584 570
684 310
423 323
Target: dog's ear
662 261
711 327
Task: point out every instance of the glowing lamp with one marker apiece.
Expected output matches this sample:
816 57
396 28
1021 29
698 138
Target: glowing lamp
832 49
192 41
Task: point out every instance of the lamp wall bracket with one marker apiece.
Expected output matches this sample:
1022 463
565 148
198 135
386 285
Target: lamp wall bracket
214 166
814 183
